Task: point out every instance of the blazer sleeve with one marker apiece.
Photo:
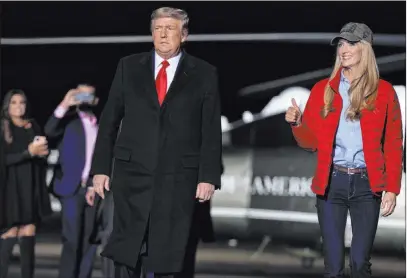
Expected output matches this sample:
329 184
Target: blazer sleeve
304 133
393 144
55 127
109 124
211 146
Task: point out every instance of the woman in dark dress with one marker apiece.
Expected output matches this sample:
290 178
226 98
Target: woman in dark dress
24 200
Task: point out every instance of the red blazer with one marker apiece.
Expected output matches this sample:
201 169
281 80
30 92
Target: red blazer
381 133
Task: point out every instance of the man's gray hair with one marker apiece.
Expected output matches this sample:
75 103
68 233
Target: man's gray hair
172 13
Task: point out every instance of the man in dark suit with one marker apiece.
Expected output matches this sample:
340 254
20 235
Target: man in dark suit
168 152
76 130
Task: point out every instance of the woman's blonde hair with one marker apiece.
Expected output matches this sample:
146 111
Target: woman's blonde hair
363 90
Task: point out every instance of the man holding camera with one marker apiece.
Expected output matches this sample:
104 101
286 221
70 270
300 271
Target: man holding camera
75 127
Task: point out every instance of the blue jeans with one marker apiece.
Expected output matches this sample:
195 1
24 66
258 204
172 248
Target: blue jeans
348 193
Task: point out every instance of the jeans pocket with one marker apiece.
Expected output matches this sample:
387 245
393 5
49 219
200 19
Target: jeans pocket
364 176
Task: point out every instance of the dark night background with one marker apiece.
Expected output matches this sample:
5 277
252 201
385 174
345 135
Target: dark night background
47 72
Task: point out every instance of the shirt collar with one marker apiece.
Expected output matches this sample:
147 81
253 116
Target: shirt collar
90 116
343 77
172 61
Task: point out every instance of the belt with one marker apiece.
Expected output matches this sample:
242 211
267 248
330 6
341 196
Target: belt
350 171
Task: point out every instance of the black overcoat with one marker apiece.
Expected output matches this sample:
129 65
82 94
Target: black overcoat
160 155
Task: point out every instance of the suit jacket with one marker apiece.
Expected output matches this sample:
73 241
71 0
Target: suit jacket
160 156
70 133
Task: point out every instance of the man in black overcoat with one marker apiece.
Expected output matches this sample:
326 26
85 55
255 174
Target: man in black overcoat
167 154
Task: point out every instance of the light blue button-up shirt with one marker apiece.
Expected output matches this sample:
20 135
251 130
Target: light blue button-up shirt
348 149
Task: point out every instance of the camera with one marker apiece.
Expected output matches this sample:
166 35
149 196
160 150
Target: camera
85 97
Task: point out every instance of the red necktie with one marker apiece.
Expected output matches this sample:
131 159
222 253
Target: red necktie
161 81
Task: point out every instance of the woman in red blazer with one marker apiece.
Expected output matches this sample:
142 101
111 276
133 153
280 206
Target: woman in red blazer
353 120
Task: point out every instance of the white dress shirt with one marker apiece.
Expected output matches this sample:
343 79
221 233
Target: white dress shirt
174 61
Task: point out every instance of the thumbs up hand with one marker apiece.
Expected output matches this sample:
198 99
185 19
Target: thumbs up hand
293 114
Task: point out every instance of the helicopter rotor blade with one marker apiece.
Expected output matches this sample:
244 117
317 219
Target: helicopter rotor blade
386 64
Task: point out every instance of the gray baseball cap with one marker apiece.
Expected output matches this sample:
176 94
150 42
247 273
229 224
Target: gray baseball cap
354 32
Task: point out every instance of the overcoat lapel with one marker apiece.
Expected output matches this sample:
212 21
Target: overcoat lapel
183 74
147 74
